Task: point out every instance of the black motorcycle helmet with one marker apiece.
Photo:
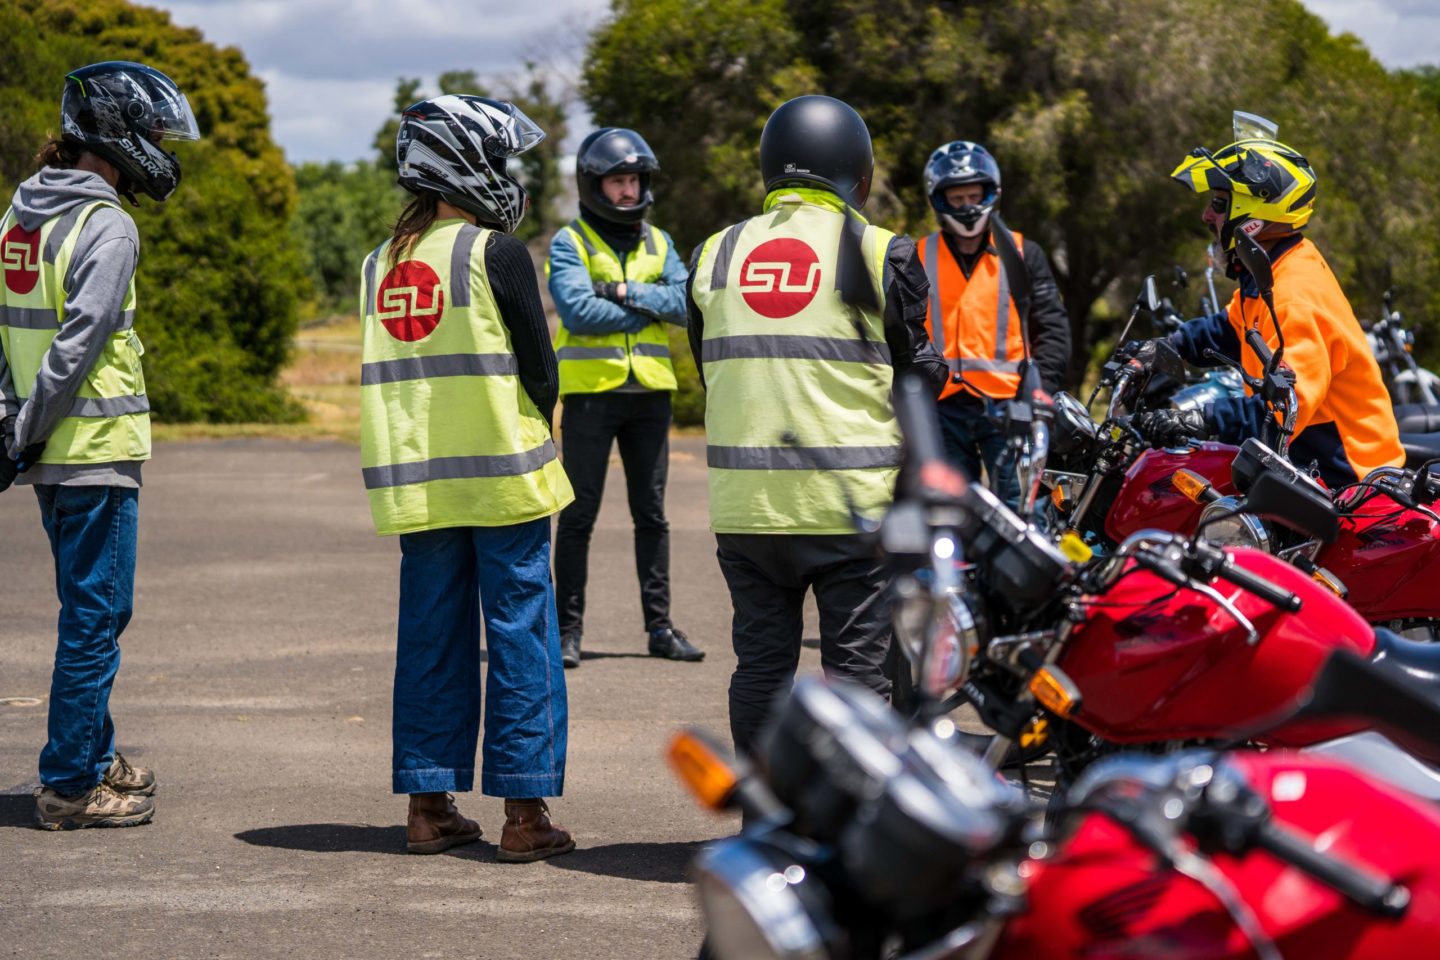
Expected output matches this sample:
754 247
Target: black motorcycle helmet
821 140
614 150
120 111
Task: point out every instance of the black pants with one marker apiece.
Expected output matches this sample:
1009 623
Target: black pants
589 424
768 575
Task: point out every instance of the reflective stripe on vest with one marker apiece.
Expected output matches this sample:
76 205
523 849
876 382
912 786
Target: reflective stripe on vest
593 363
448 436
108 419
982 343
798 417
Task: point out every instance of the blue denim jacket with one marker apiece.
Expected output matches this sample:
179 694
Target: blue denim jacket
582 312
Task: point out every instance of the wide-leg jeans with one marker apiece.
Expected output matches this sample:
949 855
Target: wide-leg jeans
450 580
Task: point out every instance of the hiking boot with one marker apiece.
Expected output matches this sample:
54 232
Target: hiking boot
530 835
674 645
434 824
100 806
570 651
123 778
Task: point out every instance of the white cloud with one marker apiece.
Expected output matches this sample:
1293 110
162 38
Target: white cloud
330 66
1400 33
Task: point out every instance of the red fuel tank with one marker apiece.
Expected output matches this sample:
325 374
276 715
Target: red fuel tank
1154 663
1148 499
1389 558
1103 897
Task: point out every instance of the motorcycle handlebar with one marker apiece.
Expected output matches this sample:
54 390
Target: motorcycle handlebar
1356 883
1253 583
919 422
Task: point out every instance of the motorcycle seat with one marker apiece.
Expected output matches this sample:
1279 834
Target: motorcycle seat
1419 660
1420 447
1418 417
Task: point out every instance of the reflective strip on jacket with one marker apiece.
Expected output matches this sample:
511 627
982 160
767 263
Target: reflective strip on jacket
593 363
799 423
981 337
109 420
1336 377
448 437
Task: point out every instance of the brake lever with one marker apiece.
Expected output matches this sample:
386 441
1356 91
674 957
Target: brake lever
1254 383
1252 636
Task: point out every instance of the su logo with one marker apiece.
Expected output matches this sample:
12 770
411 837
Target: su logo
20 256
410 301
780 277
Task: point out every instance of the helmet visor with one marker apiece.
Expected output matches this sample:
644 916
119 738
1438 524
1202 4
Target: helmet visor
516 132
169 117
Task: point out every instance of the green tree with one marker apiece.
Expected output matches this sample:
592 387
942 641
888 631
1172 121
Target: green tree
220 276
407 91
344 212
1087 106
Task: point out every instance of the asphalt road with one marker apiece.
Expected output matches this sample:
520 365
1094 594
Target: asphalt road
256 680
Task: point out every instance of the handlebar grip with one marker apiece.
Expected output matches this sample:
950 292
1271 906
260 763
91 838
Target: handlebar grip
1258 344
1356 883
1253 583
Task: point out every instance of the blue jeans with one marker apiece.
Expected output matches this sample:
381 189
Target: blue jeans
92 537
971 438
447 578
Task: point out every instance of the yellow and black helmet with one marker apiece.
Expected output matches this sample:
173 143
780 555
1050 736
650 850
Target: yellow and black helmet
1268 182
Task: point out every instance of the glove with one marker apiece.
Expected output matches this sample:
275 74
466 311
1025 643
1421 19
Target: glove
607 291
1170 428
1141 351
8 470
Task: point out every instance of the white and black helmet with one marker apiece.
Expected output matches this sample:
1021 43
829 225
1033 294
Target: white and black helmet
457 147
954 164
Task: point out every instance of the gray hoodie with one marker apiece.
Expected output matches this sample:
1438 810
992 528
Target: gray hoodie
101 266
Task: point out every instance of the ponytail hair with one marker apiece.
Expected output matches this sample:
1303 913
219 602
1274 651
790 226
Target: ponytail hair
414 220
59 152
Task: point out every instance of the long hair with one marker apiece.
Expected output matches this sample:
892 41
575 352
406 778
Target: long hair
58 152
414 220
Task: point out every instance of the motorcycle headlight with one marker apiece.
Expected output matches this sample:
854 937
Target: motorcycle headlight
1222 526
762 903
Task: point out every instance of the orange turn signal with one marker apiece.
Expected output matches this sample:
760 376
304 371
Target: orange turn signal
1191 484
700 764
1055 692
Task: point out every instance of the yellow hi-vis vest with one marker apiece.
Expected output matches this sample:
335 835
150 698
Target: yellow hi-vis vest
800 426
109 419
599 362
448 437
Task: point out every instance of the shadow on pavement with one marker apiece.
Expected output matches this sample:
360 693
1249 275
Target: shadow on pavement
658 862
588 655
17 811
330 838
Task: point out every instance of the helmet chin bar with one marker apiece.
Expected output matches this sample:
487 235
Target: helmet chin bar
955 225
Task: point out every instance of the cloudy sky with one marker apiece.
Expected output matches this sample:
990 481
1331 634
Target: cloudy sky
330 65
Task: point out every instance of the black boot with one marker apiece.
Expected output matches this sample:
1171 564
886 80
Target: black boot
674 645
570 651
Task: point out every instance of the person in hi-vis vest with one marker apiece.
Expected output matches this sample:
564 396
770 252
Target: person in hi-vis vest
457 386
974 315
799 420
618 284
75 420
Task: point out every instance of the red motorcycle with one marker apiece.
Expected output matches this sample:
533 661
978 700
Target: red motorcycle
867 839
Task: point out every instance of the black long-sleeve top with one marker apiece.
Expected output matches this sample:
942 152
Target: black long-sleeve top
1048 325
517 294
907 293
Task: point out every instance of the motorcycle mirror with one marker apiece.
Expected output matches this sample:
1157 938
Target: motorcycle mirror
1298 507
1149 298
1255 260
1182 279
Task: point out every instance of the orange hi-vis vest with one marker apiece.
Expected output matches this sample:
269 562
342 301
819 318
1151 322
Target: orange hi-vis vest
973 322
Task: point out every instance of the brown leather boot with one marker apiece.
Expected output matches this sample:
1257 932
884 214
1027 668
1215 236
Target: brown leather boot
435 825
529 833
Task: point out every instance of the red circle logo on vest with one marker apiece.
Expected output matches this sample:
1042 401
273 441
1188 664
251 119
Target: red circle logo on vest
780 277
410 301
20 255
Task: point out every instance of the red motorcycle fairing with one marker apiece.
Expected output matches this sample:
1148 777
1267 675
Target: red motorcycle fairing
1148 499
1154 663
1389 558
1104 898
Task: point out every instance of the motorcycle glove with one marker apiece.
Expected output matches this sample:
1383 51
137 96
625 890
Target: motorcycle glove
606 291
1143 351
1170 428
